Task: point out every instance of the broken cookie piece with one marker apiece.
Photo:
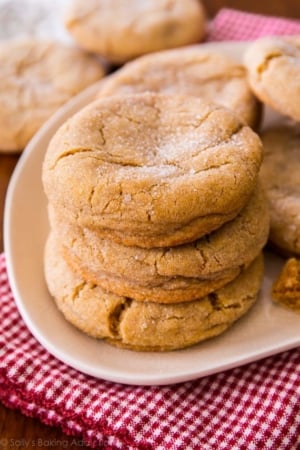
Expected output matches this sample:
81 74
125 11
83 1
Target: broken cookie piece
286 289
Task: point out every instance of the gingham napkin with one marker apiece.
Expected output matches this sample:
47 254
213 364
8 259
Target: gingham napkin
254 407
232 25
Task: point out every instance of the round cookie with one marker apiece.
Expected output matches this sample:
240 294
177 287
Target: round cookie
273 65
147 326
196 71
37 77
280 177
172 274
151 169
124 29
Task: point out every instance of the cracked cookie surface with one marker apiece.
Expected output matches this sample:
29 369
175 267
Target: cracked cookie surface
147 326
171 274
151 169
273 65
195 71
280 178
122 29
37 77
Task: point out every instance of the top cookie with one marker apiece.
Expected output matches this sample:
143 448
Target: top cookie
37 77
124 29
274 73
151 169
194 70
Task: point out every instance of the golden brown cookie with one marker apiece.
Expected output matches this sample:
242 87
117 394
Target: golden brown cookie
286 288
172 274
273 65
196 71
147 326
37 77
152 169
124 29
280 175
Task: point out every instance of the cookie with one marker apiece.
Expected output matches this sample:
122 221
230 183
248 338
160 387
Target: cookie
196 71
172 274
37 77
280 177
122 30
147 326
286 288
151 169
273 65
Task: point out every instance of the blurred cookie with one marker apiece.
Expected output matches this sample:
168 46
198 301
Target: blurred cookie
124 29
286 288
196 71
280 177
273 65
172 274
150 169
37 77
147 326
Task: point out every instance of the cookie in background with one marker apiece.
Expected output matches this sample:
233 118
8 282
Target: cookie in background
195 70
37 77
273 65
121 30
280 177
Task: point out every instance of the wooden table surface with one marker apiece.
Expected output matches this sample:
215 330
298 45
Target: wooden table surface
16 430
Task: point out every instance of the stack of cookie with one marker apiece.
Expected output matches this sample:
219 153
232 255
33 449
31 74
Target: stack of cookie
157 220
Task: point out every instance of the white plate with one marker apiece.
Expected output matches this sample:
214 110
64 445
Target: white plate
266 330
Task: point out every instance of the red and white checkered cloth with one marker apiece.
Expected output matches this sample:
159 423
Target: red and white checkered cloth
232 25
254 407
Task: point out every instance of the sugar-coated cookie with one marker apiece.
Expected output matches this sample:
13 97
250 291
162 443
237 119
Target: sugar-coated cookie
280 175
147 326
121 30
195 70
152 169
273 65
37 77
170 274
